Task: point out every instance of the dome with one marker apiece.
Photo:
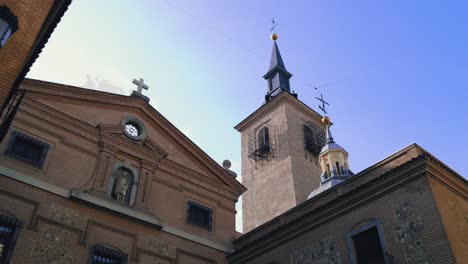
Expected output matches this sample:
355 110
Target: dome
331 146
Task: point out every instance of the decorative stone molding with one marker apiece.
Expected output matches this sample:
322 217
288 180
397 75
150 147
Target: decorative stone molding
159 247
66 216
147 259
53 247
138 124
408 233
324 251
121 210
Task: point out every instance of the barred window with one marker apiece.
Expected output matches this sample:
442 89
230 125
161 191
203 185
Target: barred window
9 230
103 255
27 149
263 140
314 138
199 215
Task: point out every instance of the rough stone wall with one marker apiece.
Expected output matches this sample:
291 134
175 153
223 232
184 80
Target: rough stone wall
453 208
31 16
412 230
270 187
282 182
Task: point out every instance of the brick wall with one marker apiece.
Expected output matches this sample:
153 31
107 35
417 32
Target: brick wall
452 204
58 229
81 156
31 16
410 221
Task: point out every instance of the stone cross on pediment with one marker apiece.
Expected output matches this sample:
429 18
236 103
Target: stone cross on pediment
140 85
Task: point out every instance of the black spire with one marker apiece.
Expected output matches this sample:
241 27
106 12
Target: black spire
277 75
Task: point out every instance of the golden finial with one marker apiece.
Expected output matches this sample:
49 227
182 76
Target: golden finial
274 24
274 36
326 120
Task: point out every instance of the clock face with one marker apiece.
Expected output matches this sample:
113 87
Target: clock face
132 130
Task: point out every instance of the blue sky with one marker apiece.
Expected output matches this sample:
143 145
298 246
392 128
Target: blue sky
397 71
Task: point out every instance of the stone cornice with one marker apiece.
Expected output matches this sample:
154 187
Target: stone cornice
275 102
448 177
122 210
57 118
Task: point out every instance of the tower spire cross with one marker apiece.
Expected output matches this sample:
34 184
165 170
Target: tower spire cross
274 25
140 85
323 105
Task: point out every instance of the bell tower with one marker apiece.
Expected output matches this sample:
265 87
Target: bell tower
281 143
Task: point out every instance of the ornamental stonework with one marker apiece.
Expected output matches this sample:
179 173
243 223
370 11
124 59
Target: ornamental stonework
146 259
323 252
408 233
159 246
54 247
65 216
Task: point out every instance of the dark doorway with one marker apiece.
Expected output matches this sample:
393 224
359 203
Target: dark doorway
367 247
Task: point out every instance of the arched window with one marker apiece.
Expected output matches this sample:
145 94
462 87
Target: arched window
338 168
122 187
366 244
263 139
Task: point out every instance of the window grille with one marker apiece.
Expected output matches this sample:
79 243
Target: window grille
199 215
9 229
314 138
103 255
27 149
263 140
260 143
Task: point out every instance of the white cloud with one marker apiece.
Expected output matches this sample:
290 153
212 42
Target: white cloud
105 84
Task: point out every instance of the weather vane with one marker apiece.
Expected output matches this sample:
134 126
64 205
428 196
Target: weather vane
324 103
274 25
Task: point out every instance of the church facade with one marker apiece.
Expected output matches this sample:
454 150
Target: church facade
94 177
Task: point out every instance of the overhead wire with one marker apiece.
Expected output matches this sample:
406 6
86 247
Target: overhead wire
224 35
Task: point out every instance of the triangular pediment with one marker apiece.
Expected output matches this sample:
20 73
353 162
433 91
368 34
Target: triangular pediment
101 112
148 146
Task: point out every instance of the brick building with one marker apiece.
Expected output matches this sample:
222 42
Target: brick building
88 175
303 204
25 27
93 177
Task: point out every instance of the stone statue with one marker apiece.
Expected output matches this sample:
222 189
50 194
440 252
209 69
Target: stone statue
121 185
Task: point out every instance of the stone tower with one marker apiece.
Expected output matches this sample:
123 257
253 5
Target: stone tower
281 142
